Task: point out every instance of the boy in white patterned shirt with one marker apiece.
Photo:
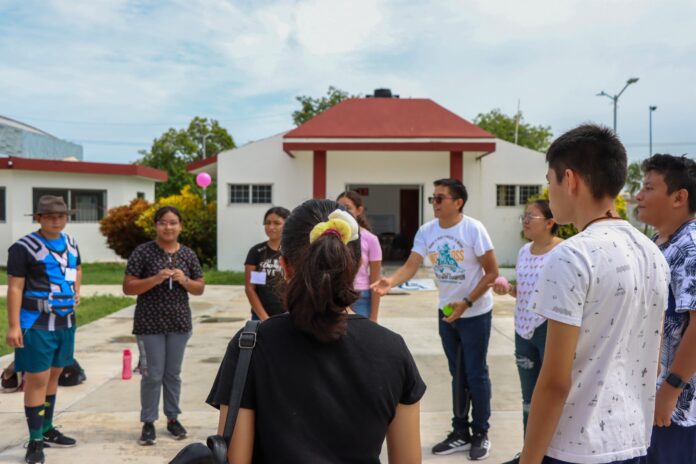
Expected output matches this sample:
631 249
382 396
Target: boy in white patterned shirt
603 292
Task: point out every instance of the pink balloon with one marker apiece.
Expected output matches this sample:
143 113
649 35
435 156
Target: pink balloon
203 180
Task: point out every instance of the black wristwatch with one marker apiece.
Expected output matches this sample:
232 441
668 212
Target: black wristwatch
675 381
468 302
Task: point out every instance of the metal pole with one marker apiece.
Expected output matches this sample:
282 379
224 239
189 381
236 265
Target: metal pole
616 100
650 112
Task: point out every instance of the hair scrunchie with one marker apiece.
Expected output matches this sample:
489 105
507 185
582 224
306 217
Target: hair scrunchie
341 223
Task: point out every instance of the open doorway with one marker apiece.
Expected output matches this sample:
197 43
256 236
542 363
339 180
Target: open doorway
395 213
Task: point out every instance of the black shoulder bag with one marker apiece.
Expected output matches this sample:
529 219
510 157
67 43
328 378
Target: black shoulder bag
216 450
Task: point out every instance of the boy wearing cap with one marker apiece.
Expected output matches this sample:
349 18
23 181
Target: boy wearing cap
44 275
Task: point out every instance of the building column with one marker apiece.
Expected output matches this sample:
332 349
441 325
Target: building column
319 175
457 165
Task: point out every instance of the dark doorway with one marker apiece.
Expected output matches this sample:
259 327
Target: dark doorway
409 221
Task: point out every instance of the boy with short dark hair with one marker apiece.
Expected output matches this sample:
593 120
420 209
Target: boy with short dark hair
667 202
602 291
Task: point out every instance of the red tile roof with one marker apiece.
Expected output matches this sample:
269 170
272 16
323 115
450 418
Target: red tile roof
387 118
82 167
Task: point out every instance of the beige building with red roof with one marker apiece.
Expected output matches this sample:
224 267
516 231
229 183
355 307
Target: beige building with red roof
388 149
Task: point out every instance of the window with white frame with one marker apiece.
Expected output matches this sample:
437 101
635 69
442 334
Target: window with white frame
251 193
88 205
3 205
516 195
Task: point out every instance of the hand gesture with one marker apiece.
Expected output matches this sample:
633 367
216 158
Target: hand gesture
459 308
499 288
14 337
164 274
382 286
665 402
179 276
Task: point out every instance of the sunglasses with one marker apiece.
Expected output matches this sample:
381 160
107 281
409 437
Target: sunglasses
437 199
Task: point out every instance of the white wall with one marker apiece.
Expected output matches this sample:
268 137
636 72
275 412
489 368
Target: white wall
240 226
512 165
120 190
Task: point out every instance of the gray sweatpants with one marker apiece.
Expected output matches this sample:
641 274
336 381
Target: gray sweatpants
161 357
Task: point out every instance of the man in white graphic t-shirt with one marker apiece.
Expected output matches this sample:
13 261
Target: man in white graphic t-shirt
463 260
603 292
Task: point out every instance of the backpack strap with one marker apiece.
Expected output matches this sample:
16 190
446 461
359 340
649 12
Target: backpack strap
247 342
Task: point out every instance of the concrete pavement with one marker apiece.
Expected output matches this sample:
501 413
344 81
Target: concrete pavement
103 413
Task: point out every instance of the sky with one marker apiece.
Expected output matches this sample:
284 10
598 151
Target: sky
112 75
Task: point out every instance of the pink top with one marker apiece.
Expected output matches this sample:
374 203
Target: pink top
370 251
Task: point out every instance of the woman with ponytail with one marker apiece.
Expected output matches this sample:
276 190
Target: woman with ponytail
311 393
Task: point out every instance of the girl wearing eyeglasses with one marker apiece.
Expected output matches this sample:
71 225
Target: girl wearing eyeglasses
162 273
530 328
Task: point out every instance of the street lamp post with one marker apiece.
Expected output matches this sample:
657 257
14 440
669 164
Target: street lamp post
205 137
650 112
615 98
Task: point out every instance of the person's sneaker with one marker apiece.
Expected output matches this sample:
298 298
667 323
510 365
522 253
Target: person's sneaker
175 428
148 435
480 447
35 452
455 441
54 438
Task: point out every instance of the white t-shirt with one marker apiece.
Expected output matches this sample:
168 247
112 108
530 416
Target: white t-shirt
453 253
612 282
527 272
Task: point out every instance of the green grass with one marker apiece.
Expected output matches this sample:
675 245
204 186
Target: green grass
90 309
112 274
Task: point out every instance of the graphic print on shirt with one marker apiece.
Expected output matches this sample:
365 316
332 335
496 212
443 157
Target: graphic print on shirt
680 252
446 260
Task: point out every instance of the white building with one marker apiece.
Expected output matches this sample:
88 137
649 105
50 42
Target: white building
89 188
388 149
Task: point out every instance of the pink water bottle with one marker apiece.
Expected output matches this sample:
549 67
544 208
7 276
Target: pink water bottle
127 371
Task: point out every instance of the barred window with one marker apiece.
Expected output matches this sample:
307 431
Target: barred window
261 194
87 205
251 193
527 192
239 193
505 195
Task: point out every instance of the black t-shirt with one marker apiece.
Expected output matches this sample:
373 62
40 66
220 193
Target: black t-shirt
267 260
162 309
322 402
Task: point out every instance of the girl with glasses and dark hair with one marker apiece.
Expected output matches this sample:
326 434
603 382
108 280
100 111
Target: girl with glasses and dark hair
371 257
530 328
311 394
162 273
262 272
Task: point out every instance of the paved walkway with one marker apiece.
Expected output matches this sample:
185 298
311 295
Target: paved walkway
102 414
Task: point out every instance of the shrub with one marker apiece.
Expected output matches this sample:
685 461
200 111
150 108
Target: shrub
568 230
119 227
199 228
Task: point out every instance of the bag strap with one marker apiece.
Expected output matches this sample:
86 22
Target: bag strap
247 342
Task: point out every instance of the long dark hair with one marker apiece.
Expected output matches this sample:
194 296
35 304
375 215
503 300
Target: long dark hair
164 210
545 209
358 201
321 284
279 211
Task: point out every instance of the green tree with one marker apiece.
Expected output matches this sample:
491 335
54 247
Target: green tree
311 107
503 126
175 149
634 181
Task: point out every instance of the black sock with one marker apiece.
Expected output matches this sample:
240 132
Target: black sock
35 421
49 405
